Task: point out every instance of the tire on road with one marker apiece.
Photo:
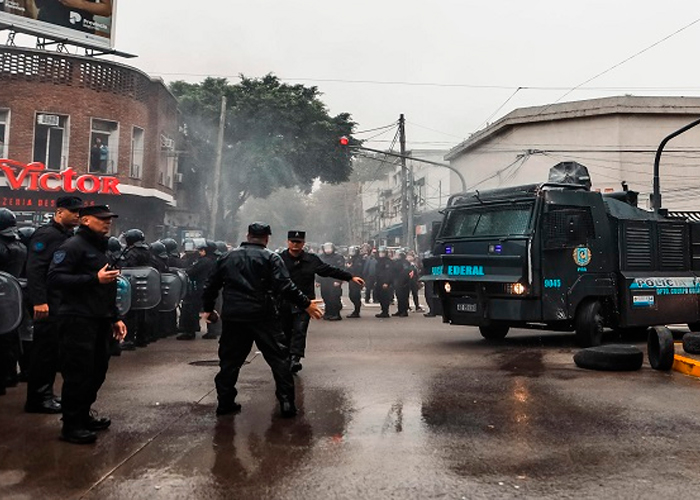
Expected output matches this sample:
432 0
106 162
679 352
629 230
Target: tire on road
660 348
691 343
494 332
589 323
612 357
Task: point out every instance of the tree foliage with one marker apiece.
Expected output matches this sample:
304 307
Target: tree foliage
276 136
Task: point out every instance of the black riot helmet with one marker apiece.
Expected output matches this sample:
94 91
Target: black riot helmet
221 247
170 245
113 244
133 236
25 234
158 249
8 221
211 247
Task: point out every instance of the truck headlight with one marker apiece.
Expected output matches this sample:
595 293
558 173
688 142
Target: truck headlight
448 287
518 288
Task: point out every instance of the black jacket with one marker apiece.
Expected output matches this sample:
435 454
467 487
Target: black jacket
253 278
73 271
13 255
45 241
199 273
136 256
303 269
386 271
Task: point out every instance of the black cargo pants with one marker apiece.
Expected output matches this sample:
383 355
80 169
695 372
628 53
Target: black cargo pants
295 325
84 362
236 341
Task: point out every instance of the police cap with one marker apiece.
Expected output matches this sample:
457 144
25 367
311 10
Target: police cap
296 235
259 229
99 211
72 203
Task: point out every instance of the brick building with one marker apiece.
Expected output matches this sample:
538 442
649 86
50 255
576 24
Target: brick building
87 121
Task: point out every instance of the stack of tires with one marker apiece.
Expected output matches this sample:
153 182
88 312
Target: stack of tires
615 357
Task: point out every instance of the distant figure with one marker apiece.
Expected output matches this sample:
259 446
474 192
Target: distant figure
98 156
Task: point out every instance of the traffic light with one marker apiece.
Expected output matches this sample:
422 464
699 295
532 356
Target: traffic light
344 141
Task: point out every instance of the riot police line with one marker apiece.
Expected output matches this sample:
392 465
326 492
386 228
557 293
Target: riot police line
138 288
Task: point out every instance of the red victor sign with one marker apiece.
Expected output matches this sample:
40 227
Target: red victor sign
35 177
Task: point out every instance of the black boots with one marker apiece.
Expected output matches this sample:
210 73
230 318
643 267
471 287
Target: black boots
288 408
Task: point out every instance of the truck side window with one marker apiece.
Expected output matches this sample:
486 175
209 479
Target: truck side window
567 227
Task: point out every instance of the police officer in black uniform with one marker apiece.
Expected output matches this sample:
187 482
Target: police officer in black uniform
13 255
44 364
331 289
303 267
198 273
88 311
136 254
384 285
355 265
403 273
253 279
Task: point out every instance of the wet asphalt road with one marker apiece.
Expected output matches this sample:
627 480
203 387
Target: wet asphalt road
393 408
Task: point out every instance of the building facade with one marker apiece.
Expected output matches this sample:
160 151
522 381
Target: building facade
615 138
98 129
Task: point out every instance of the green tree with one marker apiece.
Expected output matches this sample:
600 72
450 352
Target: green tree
276 136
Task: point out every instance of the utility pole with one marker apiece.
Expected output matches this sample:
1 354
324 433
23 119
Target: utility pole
407 223
217 170
404 178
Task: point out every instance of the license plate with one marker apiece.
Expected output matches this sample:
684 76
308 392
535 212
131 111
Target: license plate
467 307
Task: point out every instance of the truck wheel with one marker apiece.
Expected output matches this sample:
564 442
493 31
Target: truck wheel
494 332
589 324
694 327
621 358
660 348
691 343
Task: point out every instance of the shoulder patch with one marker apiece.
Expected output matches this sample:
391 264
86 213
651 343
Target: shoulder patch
39 246
59 256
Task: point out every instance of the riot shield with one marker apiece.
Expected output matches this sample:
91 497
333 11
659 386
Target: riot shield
145 287
10 303
123 295
171 291
185 281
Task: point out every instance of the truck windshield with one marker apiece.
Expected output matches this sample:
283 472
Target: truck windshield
487 221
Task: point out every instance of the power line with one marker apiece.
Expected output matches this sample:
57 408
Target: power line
615 66
458 85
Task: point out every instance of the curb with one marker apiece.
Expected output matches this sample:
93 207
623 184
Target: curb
687 366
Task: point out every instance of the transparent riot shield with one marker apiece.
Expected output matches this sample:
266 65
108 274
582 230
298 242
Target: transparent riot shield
185 282
123 295
171 291
145 287
10 303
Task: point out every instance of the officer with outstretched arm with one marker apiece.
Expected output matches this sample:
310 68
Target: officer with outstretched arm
253 279
303 268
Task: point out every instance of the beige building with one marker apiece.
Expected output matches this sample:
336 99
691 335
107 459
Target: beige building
616 138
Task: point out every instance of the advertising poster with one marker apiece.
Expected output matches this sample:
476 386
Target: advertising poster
87 23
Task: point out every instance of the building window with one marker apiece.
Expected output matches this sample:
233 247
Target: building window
137 145
168 161
51 140
104 146
4 131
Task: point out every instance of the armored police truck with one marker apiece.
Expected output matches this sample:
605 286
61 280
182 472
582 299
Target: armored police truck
559 256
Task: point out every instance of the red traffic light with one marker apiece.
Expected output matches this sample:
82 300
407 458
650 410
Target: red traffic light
344 141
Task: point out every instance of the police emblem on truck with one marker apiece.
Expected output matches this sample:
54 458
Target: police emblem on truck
582 256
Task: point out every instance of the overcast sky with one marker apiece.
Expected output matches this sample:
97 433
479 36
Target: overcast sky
474 54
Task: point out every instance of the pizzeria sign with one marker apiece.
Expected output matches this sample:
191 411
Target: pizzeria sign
34 177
